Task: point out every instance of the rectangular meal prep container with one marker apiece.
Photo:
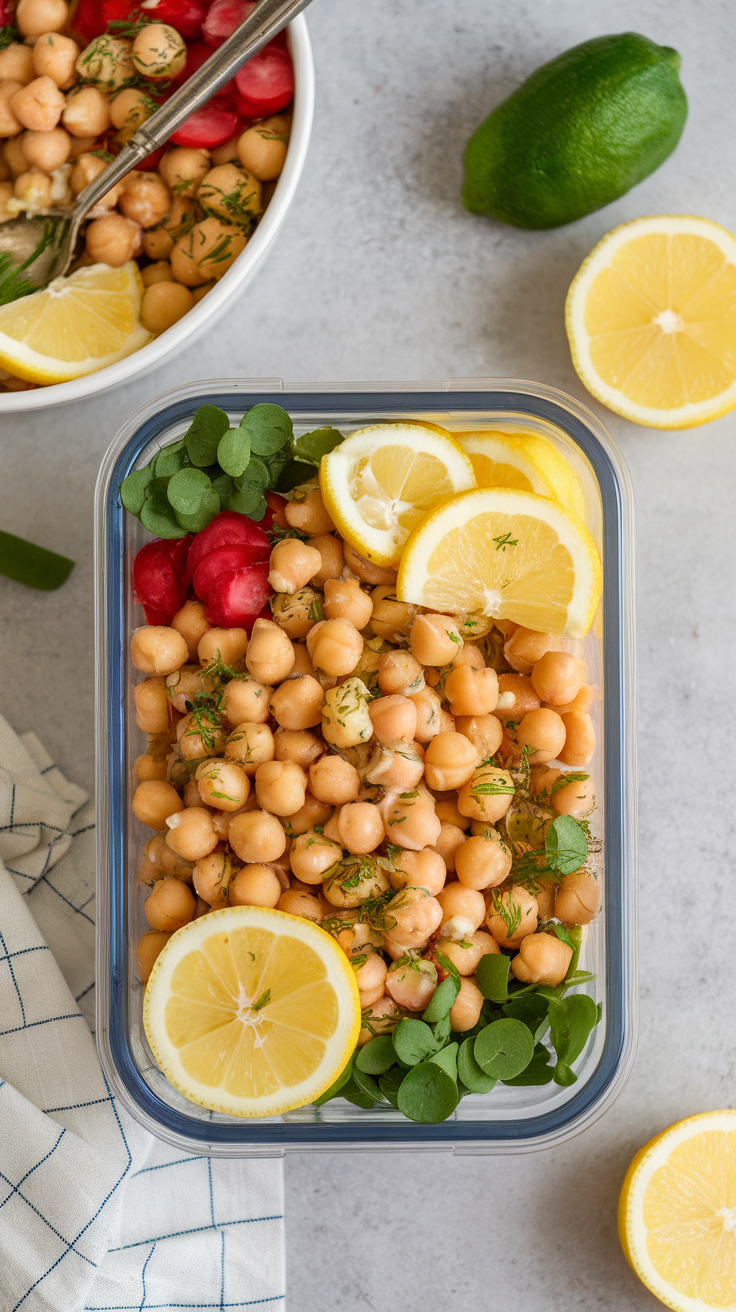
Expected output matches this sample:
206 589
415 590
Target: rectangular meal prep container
508 1119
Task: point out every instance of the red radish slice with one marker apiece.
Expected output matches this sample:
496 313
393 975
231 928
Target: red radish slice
197 54
187 16
266 83
208 127
217 562
222 19
91 18
275 513
159 578
228 529
238 596
152 161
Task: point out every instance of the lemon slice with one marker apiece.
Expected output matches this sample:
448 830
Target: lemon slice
651 318
382 480
677 1214
75 325
251 1012
524 460
507 554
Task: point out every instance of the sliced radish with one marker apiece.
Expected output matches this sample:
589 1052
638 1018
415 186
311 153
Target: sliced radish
228 529
187 16
238 596
222 19
275 513
197 54
218 562
152 161
208 127
266 83
159 577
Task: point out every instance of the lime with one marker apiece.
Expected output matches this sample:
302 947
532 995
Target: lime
579 132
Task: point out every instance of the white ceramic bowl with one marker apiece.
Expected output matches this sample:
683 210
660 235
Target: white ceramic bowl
237 277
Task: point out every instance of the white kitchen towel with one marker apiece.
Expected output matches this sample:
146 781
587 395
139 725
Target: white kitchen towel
95 1213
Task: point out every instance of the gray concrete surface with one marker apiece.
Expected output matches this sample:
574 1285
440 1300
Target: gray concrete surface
380 274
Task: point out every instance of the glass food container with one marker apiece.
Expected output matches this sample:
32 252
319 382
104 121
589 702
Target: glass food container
508 1119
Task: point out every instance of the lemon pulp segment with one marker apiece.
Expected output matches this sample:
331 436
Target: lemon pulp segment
524 460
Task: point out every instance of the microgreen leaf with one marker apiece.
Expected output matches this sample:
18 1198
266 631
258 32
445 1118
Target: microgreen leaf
447 1059
233 452
354 1094
377 1055
202 438
224 486
337 1085
531 1010
390 1082
366 1084
133 489
539 1070
571 1022
255 476
442 1000
311 447
472 1075
504 1048
246 503
492 976
413 1041
200 518
565 846
428 1094
293 473
170 460
187 489
157 515
442 1029
269 428
34 566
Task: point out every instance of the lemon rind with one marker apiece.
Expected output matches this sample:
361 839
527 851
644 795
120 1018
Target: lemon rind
537 458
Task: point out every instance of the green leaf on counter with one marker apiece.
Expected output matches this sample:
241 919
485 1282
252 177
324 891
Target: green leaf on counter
32 565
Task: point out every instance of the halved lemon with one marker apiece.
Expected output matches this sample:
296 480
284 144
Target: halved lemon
75 326
651 319
251 1012
383 479
524 460
506 554
677 1213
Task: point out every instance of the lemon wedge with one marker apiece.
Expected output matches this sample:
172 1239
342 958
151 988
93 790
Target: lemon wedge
251 1012
381 481
677 1214
506 554
651 319
524 460
75 325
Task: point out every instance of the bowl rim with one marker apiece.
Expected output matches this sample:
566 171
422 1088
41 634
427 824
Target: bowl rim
242 270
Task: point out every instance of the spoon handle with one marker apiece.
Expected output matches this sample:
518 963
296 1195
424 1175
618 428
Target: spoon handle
262 24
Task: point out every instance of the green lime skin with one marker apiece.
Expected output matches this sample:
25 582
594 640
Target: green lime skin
581 131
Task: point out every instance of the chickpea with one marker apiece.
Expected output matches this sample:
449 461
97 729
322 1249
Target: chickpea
34 17
435 639
576 799
10 124
394 719
465 1010
87 112
331 779
13 155
270 655
262 148
182 169
181 217
483 860
183 686
450 759
399 766
312 855
252 745
582 702
345 717
156 649
370 978
578 898
297 703
450 839
147 767
512 914
158 51
297 745
296 614
310 814
423 869
280 787
296 903
146 200
516 696
487 794
151 705
307 512
113 240
191 833
469 655
557 677
543 732
292 565
156 273
106 63
411 817
546 893
154 802
412 982
335 647
360 827
200 735
416 916
331 560
399 672
86 169
367 570
541 959
206 251
353 882
255 886
38 105
256 836
163 305
470 691
463 910
381 1017
32 190
391 619
149 947
191 795
222 784
46 150
212 875
157 245
160 857
525 647
170 905
229 192
18 64
245 699
346 600
225 153
429 711
128 110
448 813
579 739
485 732
226 645
466 953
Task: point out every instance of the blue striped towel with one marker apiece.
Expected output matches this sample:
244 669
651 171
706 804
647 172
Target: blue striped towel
95 1213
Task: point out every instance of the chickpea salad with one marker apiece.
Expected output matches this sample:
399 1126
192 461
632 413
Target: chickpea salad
413 781
76 82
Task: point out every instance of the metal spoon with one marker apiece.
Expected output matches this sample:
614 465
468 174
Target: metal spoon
22 236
